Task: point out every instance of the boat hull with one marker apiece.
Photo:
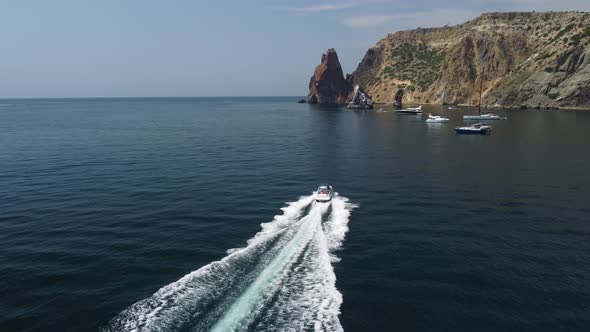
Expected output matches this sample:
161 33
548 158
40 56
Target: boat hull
462 131
441 120
481 117
408 111
323 198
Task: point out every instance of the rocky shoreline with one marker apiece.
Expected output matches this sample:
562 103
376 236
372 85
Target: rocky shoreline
523 60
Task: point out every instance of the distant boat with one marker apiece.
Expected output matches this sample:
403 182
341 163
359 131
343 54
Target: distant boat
486 116
479 116
476 129
411 110
436 119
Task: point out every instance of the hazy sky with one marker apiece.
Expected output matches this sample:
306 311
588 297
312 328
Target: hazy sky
98 48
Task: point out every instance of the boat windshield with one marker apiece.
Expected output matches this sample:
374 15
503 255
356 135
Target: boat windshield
323 190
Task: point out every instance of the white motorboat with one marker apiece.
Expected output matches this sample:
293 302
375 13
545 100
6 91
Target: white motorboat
436 119
410 110
476 129
486 116
324 193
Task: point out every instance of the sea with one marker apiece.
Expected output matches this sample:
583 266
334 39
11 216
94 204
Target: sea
198 214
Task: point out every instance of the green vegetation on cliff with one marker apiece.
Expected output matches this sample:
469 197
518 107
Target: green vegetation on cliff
562 32
530 59
578 37
416 63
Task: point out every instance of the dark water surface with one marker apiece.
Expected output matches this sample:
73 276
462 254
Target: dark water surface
105 201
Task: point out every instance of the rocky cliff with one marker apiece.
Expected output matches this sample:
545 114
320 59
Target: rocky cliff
328 84
360 99
526 59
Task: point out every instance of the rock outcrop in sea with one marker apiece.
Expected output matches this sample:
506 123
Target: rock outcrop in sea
360 99
328 84
525 60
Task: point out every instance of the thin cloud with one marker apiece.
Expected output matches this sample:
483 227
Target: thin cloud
455 14
322 8
368 21
431 18
544 5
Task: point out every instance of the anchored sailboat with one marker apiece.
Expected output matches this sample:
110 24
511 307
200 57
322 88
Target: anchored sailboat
479 116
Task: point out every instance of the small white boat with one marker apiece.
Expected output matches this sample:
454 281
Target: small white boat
486 116
411 110
436 119
324 193
476 129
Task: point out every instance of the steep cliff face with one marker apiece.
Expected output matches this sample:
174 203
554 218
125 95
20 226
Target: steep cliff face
527 59
328 85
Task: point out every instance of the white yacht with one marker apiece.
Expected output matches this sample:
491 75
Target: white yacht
411 110
476 129
486 116
324 193
436 118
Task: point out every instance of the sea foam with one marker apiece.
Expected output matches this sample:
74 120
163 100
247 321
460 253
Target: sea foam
282 279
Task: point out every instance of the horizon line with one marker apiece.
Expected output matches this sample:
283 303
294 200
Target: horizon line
150 97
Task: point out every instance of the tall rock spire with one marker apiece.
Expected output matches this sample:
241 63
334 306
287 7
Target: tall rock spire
328 85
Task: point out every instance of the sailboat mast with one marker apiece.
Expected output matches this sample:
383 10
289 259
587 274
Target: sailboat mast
480 89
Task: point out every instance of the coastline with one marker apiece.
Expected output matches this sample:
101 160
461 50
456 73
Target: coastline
570 108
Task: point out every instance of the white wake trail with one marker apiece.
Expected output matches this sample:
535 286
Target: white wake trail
309 300
253 298
282 279
337 226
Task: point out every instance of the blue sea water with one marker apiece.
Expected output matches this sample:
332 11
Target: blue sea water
145 214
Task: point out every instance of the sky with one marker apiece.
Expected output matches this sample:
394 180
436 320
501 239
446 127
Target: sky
152 48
